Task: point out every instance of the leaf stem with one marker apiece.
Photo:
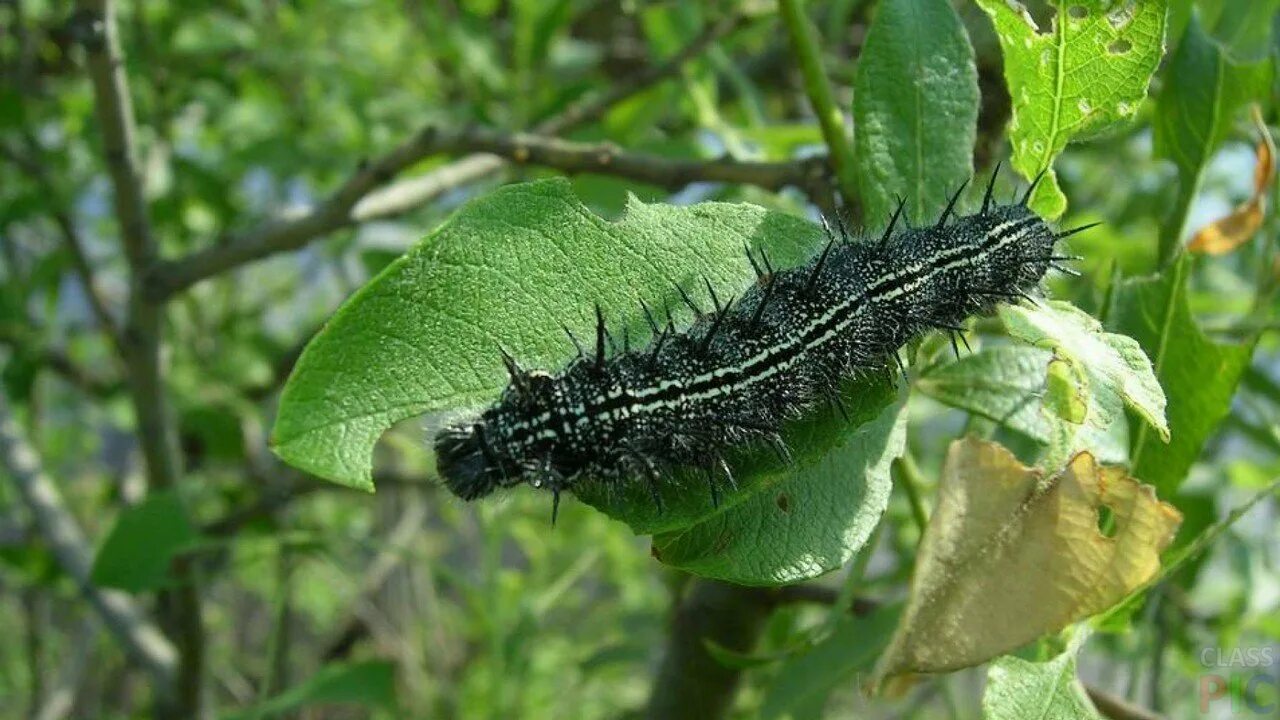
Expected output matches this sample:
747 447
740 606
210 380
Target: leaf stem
911 478
804 41
853 581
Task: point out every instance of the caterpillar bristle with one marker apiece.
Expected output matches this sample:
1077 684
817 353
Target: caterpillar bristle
752 259
715 325
601 332
728 472
711 485
817 267
577 346
764 300
715 300
942 220
844 231
688 300
991 186
1073 231
648 317
893 220
768 266
516 375
1065 270
1032 187
838 404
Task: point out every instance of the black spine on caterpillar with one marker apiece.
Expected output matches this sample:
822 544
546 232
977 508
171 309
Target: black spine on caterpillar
746 366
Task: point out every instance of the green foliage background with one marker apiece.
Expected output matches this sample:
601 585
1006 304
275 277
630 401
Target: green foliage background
297 595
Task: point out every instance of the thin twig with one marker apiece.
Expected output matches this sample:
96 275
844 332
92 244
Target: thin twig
29 163
808 55
607 159
142 640
1117 708
180 616
57 361
355 200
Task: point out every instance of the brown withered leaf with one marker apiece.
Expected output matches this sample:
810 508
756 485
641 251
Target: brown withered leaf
1234 229
1009 556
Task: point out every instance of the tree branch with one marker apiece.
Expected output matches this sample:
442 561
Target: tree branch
690 683
180 613
355 200
608 159
142 641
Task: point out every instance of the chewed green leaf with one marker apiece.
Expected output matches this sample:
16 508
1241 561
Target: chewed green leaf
506 270
915 105
1114 364
1050 690
1086 75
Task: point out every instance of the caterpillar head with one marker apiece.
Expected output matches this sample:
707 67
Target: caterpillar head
501 449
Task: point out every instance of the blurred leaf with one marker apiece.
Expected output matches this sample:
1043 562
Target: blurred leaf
1242 223
791 522
804 682
136 554
505 270
1009 556
1002 383
1113 364
915 106
1018 689
1086 76
367 684
1199 376
1203 90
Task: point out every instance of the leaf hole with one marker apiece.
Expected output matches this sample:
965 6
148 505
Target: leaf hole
1077 12
1106 522
1120 47
783 501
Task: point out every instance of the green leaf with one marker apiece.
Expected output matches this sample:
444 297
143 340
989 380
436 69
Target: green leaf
1018 689
1113 364
915 107
1086 76
136 554
1002 383
367 684
1198 376
1243 28
506 270
1203 90
798 521
806 680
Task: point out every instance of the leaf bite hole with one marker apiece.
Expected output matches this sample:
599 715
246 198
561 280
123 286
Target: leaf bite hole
1106 522
1119 47
783 501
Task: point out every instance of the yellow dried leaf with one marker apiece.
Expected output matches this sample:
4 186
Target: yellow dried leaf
1233 230
1009 556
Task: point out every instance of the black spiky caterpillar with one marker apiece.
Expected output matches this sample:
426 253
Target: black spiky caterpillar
739 371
